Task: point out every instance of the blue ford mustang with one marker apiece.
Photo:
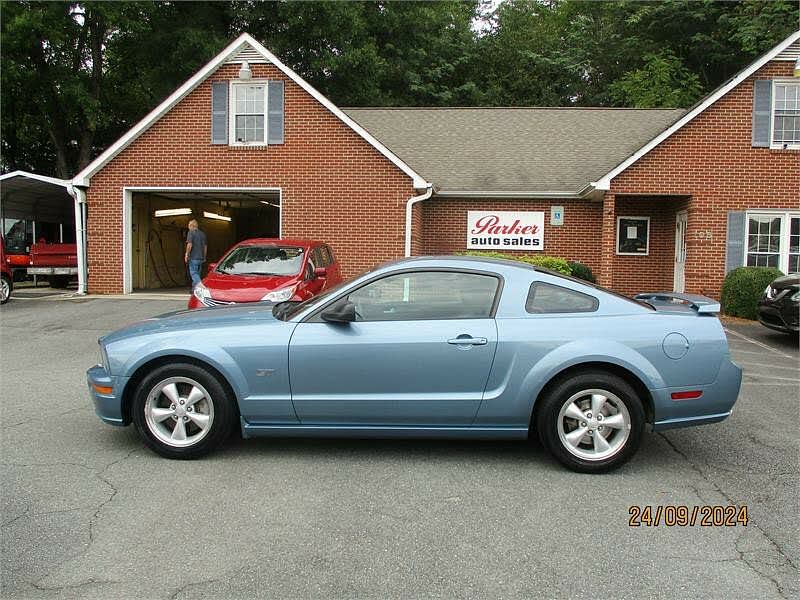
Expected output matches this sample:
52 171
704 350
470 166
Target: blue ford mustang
447 347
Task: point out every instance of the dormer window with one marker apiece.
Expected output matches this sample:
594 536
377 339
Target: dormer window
248 112
786 113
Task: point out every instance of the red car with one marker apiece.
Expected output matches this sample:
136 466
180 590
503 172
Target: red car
268 270
6 277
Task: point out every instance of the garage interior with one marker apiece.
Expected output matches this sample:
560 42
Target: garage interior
159 224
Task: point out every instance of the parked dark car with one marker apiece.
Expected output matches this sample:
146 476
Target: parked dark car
268 270
779 306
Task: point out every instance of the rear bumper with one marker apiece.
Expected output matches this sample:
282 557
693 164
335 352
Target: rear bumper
715 405
52 270
106 406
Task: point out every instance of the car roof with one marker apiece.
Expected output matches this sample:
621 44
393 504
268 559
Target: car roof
445 260
279 242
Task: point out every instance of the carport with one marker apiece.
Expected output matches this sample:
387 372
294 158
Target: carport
36 207
156 226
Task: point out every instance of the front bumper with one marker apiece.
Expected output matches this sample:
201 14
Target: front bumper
781 316
107 406
716 403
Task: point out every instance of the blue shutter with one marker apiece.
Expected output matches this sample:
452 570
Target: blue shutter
275 112
762 112
734 242
219 112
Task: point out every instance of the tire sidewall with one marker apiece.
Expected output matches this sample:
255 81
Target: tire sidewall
224 412
548 415
7 281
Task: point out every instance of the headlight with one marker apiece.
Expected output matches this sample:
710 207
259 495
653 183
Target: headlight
280 295
769 292
201 292
103 357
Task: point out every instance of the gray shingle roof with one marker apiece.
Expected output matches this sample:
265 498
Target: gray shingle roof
513 149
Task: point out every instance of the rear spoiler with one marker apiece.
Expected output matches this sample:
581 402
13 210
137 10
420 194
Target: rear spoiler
701 304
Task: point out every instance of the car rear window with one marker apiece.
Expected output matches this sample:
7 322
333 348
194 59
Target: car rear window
262 260
545 298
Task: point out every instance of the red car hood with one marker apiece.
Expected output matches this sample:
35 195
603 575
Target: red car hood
245 288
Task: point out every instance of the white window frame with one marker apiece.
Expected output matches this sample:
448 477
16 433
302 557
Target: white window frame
783 247
647 245
772 143
232 111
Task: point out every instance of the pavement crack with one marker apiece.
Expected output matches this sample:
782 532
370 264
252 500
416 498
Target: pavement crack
748 561
174 595
74 586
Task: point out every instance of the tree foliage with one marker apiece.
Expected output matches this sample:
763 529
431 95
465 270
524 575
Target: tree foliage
77 75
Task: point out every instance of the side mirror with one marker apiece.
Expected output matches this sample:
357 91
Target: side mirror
320 272
341 312
211 266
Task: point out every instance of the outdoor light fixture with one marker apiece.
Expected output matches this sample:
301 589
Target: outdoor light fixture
173 212
270 203
210 215
245 72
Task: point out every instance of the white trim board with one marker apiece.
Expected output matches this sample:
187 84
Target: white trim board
65 183
604 183
231 50
127 218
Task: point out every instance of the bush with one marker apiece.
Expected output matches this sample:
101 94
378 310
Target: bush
558 265
581 271
742 289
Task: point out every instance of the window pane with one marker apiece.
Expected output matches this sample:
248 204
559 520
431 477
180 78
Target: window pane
794 263
547 298
426 296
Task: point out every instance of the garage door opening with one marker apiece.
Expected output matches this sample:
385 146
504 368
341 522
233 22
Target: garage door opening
159 224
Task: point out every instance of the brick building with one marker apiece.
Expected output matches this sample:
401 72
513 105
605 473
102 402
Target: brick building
649 199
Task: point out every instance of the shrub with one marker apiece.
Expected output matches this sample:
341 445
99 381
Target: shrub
558 265
581 271
742 289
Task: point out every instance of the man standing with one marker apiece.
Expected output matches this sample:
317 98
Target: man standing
196 250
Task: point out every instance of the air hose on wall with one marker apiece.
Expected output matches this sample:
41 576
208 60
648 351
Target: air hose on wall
150 238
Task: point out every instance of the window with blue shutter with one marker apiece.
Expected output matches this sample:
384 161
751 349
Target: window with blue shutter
734 241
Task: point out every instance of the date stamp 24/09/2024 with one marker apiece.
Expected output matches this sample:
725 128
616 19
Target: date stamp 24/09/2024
681 515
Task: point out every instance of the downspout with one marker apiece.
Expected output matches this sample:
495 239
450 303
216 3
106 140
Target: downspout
409 208
80 234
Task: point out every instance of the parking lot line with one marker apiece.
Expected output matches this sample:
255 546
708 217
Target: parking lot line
752 364
757 343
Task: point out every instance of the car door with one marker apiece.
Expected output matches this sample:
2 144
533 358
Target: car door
418 354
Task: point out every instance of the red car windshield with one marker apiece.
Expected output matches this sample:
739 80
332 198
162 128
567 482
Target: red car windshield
262 260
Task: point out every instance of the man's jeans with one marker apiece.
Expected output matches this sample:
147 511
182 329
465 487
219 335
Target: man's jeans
195 265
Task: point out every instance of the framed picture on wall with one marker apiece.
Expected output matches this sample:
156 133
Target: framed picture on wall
633 236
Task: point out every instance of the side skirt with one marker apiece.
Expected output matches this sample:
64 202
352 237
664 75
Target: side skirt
251 430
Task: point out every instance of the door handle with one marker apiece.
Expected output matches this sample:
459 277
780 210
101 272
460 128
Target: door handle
468 341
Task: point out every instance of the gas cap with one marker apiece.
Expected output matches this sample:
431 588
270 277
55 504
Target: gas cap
675 345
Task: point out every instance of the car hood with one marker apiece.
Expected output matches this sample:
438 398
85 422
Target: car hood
193 320
787 281
245 288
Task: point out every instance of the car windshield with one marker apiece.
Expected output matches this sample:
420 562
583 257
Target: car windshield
262 260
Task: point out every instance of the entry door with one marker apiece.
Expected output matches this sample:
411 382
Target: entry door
681 221
418 355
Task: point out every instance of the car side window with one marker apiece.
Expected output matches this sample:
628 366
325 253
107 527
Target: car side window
545 298
331 257
321 256
426 295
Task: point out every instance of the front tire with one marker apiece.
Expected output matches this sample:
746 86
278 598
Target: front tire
592 422
6 286
181 411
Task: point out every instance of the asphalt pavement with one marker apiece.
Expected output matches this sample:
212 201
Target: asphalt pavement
89 512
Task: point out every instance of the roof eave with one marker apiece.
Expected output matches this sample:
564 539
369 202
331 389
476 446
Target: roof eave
604 183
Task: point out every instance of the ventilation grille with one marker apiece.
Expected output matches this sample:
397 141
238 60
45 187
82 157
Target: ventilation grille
791 53
249 54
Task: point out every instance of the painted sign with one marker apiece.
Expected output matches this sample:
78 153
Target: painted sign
499 230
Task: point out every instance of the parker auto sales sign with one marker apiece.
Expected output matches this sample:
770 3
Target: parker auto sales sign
505 230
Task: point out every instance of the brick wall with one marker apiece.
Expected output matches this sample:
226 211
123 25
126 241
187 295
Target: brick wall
444 226
336 187
711 159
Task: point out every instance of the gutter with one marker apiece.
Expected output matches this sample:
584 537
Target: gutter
80 234
537 195
409 206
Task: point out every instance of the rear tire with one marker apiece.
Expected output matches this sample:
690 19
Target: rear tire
591 422
181 411
6 287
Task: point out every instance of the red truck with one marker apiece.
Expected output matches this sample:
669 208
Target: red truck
59 262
